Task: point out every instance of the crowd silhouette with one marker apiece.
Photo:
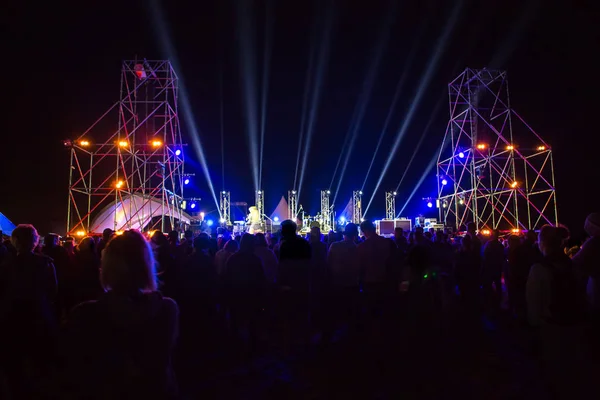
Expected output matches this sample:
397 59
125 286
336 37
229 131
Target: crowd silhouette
125 315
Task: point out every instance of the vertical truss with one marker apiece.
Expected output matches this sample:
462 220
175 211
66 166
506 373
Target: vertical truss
225 208
493 168
390 205
292 205
357 206
326 214
126 170
260 205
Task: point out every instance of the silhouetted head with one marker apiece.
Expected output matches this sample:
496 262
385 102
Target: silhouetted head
551 240
592 224
107 234
201 243
24 238
351 231
247 243
368 228
231 246
128 265
288 229
261 240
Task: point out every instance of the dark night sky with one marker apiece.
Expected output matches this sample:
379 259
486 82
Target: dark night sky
63 63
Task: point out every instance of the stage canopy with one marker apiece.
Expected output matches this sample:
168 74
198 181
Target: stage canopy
5 225
281 211
139 211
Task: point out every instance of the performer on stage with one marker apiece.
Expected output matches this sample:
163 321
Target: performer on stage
253 222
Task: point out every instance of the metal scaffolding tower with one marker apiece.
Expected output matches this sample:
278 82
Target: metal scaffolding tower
493 168
292 205
326 214
225 208
126 170
260 205
390 205
357 206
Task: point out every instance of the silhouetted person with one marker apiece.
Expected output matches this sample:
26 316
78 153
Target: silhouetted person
28 325
244 286
494 259
121 345
557 309
107 235
342 291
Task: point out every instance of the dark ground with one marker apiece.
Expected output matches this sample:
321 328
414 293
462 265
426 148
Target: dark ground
426 352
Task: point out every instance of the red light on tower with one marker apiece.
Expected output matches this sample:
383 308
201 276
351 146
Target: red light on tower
139 71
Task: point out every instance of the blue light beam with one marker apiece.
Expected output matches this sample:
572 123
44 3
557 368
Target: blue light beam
268 45
322 59
167 48
246 48
399 86
423 84
365 96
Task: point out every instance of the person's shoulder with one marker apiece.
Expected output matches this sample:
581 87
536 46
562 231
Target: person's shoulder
86 310
170 305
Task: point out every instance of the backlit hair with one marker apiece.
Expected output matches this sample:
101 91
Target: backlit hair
128 264
25 238
551 238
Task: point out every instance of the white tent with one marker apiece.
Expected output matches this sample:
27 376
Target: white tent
6 226
136 209
347 213
281 211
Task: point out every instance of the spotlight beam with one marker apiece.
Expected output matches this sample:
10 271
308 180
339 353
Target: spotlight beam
246 47
303 117
433 116
423 84
167 48
268 46
222 129
367 88
322 59
399 86
426 173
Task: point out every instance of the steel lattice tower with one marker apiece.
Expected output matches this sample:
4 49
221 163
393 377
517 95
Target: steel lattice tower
357 206
128 166
493 168
325 211
390 205
292 205
225 208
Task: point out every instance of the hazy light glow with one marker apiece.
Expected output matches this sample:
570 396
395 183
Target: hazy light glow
392 109
246 40
167 48
422 87
322 59
365 96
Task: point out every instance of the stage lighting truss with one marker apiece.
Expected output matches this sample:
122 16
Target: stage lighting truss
225 208
357 206
390 205
493 168
292 205
260 205
326 212
130 153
